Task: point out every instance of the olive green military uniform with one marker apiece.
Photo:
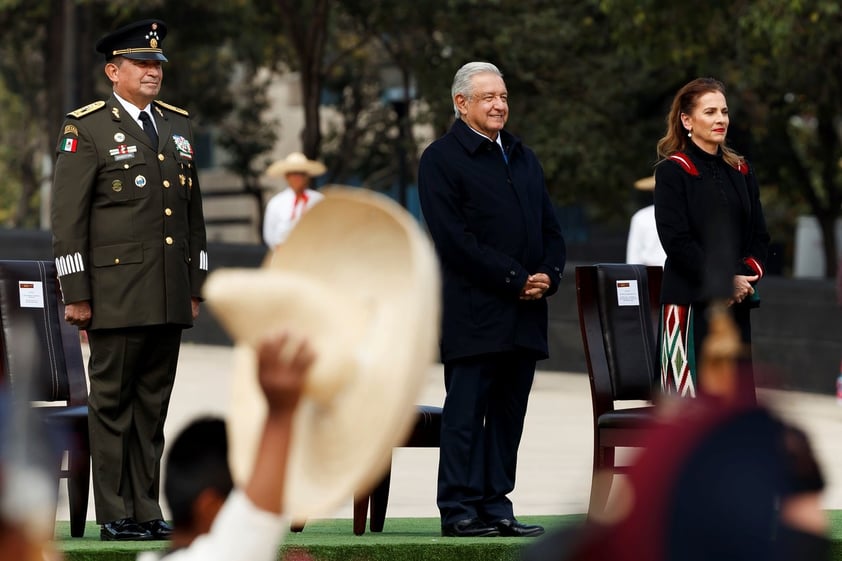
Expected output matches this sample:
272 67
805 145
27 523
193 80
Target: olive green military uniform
129 236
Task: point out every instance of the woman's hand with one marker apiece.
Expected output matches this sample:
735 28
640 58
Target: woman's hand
742 288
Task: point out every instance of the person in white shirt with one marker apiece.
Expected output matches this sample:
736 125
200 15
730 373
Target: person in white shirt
285 209
643 245
213 520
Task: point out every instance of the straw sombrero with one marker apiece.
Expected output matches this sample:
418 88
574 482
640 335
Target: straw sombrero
645 183
296 162
359 279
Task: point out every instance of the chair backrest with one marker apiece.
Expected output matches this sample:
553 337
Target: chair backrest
41 353
618 317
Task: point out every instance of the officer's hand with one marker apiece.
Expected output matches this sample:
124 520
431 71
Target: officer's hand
195 303
78 313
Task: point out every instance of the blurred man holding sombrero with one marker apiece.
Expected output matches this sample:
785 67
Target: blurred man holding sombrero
285 209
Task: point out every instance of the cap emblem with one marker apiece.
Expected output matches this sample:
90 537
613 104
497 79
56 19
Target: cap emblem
152 36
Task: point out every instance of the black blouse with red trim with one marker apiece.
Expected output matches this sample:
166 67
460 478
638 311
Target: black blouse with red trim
707 211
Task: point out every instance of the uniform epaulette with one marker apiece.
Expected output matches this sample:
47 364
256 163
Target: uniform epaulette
87 110
172 108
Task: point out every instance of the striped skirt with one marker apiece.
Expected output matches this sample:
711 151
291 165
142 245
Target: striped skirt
678 351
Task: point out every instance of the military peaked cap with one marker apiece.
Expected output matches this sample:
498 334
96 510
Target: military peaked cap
140 40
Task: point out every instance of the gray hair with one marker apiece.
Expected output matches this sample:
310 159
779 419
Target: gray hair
462 80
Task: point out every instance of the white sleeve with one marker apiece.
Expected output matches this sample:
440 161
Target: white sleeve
240 531
313 198
270 222
633 249
277 221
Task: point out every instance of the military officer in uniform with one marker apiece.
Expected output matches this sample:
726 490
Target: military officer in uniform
130 246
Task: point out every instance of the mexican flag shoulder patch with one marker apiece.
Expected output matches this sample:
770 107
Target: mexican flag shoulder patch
69 144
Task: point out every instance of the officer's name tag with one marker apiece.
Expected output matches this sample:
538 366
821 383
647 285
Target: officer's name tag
627 293
31 294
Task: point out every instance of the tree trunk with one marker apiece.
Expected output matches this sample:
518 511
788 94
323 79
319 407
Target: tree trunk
307 26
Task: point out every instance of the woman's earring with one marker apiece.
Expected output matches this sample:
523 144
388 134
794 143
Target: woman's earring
689 134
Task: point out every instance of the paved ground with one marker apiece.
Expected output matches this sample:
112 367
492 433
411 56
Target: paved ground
555 457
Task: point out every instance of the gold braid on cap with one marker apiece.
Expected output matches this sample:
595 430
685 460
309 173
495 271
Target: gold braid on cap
138 50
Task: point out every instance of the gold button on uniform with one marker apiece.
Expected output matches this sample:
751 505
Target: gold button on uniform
168 240
161 157
116 260
166 184
168 211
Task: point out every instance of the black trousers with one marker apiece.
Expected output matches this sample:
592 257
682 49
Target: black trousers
482 423
131 373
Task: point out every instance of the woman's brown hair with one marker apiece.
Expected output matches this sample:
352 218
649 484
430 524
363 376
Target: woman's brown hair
676 139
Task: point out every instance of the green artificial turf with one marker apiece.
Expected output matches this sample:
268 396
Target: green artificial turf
402 539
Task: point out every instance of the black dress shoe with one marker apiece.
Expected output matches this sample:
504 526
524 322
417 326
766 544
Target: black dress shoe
125 529
513 528
159 529
469 528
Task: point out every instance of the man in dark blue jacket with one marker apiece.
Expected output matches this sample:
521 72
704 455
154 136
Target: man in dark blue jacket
502 253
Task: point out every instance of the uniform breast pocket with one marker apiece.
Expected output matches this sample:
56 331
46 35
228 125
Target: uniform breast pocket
124 180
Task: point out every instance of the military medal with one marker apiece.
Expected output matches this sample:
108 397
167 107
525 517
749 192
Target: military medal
117 185
183 146
123 152
119 137
140 181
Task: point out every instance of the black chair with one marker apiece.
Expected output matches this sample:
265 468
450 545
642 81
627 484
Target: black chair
426 433
42 360
619 314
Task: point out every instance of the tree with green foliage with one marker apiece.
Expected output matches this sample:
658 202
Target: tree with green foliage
780 60
590 85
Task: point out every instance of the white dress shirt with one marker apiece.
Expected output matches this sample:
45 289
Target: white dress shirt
239 531
283 211
135 112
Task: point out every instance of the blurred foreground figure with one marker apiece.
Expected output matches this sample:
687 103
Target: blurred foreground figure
718 479
27 485
212 519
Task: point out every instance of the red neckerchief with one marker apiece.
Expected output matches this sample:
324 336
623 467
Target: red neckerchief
300 198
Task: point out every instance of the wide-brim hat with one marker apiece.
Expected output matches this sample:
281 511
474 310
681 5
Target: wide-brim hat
296 162
645 183
140 40
359 280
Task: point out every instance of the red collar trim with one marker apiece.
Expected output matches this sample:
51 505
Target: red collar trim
688 165
685 162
